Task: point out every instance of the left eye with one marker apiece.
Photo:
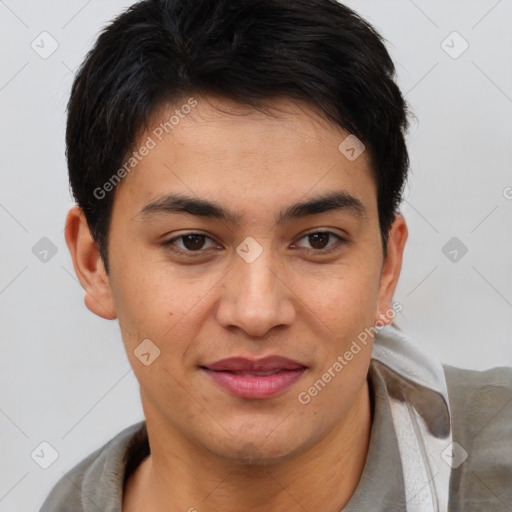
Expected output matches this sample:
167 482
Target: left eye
319 239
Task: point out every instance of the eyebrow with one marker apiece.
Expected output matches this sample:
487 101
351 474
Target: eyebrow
179 203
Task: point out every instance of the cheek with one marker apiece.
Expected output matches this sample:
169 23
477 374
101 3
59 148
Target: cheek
329 393
145 304
344 301
159 305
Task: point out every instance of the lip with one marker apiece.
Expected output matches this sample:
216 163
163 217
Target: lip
249 384
243 364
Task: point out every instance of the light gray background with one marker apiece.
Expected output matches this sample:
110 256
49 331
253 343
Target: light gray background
64 376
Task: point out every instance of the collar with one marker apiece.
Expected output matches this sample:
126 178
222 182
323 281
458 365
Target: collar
418 397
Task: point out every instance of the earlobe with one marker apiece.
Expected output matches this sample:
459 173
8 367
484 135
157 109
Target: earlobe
391 270
88 265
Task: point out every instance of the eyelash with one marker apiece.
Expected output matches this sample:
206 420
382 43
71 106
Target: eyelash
188 253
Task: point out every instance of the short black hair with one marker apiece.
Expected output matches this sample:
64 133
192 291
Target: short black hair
160 51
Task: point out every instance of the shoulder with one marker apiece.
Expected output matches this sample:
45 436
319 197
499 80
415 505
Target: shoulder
480 401
459 377
481 409
66 495
72 493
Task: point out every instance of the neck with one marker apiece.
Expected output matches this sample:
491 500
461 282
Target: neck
324 477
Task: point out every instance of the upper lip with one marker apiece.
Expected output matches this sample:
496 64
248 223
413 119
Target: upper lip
254 365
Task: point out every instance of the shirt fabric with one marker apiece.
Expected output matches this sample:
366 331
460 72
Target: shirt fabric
480 405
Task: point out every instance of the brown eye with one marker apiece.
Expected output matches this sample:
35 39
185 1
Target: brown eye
193 242
190 242
319 240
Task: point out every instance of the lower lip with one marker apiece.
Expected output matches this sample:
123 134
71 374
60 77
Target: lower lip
254 386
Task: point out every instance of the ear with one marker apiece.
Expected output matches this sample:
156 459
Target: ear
391 270
88 265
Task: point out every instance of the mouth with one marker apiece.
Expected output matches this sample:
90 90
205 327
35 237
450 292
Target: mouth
255 379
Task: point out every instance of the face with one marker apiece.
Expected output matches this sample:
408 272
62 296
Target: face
265 269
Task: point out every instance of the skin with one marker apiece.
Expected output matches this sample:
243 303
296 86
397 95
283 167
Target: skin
292 301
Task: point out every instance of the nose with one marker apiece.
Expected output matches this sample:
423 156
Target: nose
256 296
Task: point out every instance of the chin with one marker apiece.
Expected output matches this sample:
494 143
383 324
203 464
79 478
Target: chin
260 450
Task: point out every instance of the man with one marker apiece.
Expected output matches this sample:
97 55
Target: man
238 167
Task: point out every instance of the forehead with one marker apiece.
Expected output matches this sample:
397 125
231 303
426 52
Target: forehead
223 150
216 122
